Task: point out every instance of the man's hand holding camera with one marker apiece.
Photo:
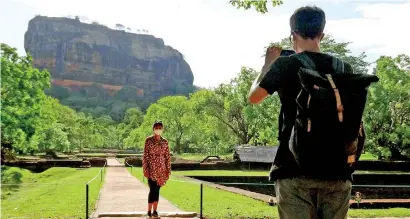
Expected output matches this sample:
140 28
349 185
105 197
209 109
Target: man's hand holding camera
272 53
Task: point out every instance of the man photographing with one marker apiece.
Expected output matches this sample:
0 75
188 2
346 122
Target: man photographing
319 123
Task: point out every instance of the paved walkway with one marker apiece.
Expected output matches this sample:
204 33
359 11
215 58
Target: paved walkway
112 162
122 192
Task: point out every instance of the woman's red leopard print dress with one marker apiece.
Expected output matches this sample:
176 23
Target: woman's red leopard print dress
156 161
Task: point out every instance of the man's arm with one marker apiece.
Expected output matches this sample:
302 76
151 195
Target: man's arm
269 81
257 92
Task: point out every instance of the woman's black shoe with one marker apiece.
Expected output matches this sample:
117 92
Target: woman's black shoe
155 214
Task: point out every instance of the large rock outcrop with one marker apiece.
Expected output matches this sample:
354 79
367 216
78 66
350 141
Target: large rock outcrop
81 54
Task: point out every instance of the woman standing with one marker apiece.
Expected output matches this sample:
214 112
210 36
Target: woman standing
156 164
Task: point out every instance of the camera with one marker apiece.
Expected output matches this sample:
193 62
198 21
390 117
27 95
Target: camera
287 52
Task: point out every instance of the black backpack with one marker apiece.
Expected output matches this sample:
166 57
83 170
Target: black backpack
328 136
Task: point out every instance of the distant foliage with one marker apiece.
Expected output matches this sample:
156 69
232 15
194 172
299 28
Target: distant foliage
260 5
119 26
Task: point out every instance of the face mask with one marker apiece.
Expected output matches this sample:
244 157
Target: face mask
158 131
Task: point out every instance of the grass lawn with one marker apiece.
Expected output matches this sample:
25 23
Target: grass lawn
367 156
220 204
121 160
220 173
55 193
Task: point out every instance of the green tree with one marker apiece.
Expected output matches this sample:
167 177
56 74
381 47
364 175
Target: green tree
387 114
229 104
54 139
260 5
84 133
339 49
208 132
127 93
67 117
22 92
49 135
176 113
133 118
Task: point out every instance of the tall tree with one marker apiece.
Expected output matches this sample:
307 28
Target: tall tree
229 105
260 5
132 120
175 112
339 49
387 114
22 94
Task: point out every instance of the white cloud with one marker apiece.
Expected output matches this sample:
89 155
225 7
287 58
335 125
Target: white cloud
218 39
383 27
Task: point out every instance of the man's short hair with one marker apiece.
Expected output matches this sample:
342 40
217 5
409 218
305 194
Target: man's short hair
308 22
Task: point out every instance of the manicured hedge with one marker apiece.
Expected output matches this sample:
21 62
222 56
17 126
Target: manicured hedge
185 166
42 165
134 161
112 151
97 162
219 166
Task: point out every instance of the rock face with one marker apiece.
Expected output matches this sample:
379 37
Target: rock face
79 52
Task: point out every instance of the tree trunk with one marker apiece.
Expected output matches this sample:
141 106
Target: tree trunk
177 147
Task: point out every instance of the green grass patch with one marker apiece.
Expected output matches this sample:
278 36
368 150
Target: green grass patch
121 160
220 173
218 204
392 212
367 156
55 193
380 172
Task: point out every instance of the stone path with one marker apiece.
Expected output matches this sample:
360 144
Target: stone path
122 192
112 162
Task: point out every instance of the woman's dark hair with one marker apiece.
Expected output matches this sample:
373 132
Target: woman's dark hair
308 22
157 122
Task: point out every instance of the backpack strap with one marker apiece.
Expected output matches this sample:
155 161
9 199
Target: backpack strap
306 61
339 68
338 65
339 105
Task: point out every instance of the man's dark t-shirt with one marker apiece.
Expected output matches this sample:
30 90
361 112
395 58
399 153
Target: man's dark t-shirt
282 78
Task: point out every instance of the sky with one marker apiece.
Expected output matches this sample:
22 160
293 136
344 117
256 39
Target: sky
216 38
